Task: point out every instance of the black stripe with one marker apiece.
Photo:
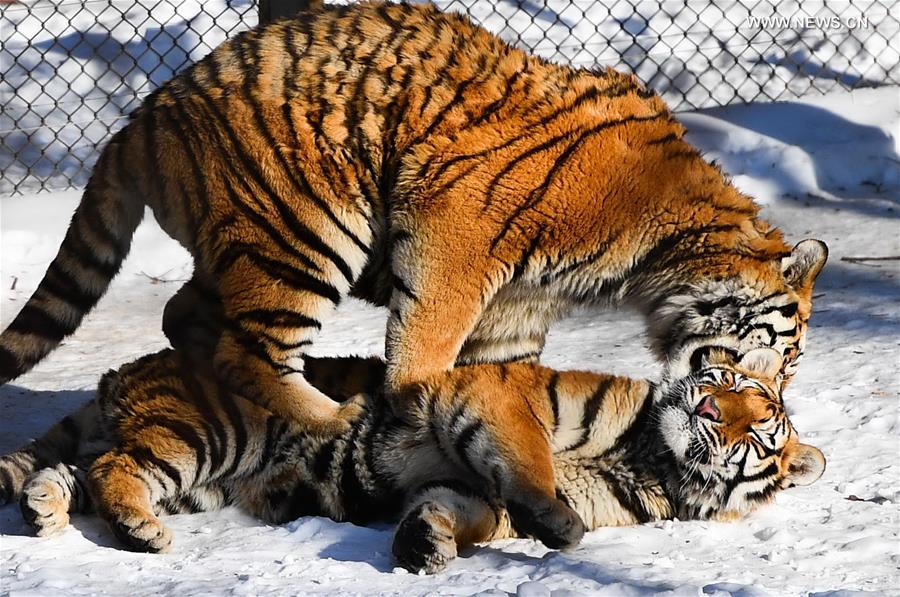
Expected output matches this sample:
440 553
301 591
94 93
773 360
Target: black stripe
663 251
89 213
251 343
730 484
464 441
399 285
185 200
495 106
483 72
297 279
280 344
526 133
553 396
145 457
770 471
639 424
278 270
216 434
8 483
237 425
32 320
302 184
355 499
323 459
596 254
254 216
629 500
78 247
769 328
664 139
591 410
66 288
528 253
185 433
201 192
279 318
762 495
9 365
275 427
511 164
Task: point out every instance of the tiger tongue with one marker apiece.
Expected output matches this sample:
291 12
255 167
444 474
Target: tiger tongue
708 409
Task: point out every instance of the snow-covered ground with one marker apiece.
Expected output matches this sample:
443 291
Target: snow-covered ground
825 168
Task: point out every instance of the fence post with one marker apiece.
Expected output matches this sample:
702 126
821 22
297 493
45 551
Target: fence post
274 9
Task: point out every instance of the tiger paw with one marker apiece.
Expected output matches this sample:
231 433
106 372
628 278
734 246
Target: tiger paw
337 422
140 532
352 409
424 539
44 506
548 520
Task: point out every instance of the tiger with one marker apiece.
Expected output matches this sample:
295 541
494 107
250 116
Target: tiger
163 436
410 158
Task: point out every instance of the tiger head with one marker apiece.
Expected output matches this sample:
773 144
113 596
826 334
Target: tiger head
755 309
732 443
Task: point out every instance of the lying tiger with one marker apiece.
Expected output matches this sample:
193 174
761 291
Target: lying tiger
161 437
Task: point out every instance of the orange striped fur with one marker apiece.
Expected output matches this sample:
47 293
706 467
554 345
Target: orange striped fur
413 159
163 436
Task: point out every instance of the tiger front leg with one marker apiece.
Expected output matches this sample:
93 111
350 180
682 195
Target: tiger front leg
440 518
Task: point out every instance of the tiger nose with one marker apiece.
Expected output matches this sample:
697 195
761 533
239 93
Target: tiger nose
708 409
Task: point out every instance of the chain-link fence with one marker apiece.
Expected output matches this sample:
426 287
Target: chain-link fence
71 69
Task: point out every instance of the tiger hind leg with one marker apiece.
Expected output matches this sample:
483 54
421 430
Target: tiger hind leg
125 493
440 518
50 495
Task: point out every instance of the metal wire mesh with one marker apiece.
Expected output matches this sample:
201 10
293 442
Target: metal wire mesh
72 70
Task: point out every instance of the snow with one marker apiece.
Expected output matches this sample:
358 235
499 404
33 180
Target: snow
824 168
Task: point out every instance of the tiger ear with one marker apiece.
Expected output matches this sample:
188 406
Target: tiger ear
804 465
803 265
765 362
713 356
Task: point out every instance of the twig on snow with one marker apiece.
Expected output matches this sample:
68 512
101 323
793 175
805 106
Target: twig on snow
865 260
159 279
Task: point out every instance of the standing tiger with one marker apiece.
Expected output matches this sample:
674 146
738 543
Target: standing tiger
410 158
162 436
